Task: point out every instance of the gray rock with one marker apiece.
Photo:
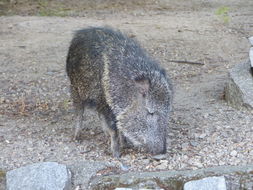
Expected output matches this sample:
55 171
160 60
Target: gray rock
236 176
251 56
82 172
239 89
160 157
251 40
39 176
209 183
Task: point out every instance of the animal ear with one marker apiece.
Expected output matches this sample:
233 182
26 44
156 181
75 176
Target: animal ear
163 72
142 86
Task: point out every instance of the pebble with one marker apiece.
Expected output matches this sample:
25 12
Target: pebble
220 154
194 143
127 157
146 161
203 135
2 100
198 164
159 157
162 166
185 146
233 153
124 167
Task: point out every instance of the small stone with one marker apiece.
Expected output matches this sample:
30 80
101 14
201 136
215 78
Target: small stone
164 161
220 154
159 157
233 153
2 100
251 153
78 187
185 146
199 164
162 166
203 135
127 157
50 73
124 167
210 183
146 161
194 143
221 163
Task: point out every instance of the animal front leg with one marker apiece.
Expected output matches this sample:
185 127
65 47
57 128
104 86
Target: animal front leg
79 124
115 144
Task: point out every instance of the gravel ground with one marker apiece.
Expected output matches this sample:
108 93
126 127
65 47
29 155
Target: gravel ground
36 115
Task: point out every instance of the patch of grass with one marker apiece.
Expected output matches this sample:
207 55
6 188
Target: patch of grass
61 12
2 173
222 12
66 7
45 9
66 103
34 7
3 7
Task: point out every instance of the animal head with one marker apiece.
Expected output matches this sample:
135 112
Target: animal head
144 122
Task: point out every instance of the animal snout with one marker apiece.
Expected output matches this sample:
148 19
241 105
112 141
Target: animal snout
157 148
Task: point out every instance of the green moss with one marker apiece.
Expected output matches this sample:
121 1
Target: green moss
2 173
222 13
61 12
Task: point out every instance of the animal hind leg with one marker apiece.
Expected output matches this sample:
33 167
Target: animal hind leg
79 110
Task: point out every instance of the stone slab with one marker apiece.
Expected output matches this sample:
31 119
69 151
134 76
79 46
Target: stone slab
82 172
39 176
236 177
239 89
209 183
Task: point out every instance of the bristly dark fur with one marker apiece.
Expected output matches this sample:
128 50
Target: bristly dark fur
111 72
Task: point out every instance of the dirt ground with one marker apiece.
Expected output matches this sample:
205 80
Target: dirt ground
36 115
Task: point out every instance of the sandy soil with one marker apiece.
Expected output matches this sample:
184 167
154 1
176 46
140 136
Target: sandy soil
37 116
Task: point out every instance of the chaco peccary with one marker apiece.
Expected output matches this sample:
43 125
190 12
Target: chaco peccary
129 90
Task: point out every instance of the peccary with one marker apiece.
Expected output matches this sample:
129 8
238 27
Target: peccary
131 92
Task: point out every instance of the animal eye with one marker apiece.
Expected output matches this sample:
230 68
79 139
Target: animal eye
150 112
